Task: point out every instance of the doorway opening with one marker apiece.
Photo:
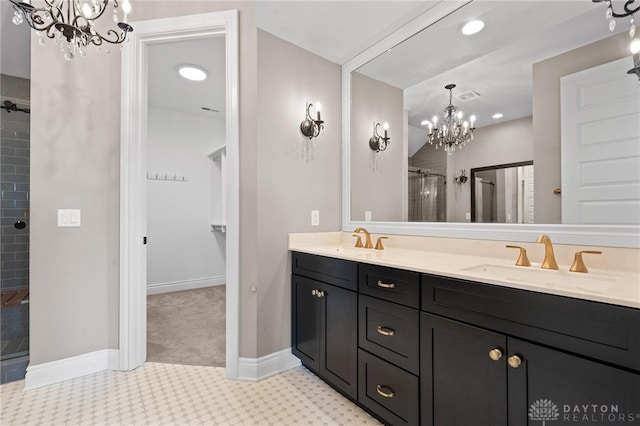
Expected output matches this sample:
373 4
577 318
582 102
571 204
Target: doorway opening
186 245
137 196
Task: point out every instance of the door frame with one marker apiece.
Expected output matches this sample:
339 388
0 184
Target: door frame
133 148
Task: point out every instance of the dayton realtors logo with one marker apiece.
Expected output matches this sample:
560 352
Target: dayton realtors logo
546 410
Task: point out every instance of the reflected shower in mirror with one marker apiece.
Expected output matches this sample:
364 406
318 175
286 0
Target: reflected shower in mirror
502 194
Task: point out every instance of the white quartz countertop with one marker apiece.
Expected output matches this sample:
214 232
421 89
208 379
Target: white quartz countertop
614 287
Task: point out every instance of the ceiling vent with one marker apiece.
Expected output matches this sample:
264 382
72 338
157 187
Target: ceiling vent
467 96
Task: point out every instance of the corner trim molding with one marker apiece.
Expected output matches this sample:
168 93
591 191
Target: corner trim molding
168 287
256 369
48 373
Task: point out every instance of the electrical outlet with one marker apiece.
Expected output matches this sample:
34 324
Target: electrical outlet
467 215
367 216
315 217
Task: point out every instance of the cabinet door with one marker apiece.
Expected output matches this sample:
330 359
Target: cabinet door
550 385
305 321
460 383
339 338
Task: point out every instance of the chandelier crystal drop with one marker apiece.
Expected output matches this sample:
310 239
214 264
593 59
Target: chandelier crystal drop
452 132
72 24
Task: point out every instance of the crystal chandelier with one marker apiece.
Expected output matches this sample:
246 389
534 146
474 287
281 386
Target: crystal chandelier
73 23
634 46
452 133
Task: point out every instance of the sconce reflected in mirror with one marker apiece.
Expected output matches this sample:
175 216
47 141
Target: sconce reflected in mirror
309 127
377 142
461 178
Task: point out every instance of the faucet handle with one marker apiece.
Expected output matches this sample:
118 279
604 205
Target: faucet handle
523 260
359 241
578 264
379 245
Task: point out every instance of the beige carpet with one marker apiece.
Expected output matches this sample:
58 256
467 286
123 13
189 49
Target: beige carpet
187 327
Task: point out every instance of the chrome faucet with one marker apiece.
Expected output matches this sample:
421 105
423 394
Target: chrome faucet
549 261
367 243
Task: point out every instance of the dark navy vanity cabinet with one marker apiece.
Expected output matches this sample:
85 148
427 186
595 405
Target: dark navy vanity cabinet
418 349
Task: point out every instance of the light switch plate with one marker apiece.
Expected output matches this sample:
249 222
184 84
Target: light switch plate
315 217
68 218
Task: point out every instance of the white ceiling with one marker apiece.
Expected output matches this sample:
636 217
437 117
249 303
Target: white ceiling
168 90
496 63
336 30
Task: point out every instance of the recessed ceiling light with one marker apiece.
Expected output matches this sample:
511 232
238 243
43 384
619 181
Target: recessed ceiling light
192 72
497 115
472 27
424 122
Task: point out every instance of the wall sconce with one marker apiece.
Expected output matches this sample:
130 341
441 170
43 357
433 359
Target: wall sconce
309 127
379 143
461 178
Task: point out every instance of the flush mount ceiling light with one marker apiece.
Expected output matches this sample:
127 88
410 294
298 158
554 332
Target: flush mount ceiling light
472 27
73 23
453 132
192 72
628 10
497 115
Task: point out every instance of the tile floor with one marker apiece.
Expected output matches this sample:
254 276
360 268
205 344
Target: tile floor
169 394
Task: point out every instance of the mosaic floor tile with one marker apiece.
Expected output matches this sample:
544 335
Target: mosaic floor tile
169 394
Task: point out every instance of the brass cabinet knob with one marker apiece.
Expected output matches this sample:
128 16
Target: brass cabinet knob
385 391
313 292
386 285
386 331
320 293
495 354
514 361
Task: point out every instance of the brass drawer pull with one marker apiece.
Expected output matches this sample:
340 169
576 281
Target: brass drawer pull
386 285
386 393
386 331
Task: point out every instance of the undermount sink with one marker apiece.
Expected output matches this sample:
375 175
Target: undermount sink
548 278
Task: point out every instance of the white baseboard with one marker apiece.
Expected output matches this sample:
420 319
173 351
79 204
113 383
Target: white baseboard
256 369
69 368
185 285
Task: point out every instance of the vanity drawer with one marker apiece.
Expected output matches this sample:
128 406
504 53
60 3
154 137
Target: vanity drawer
390 331
341 273
394 285
388 391
597 330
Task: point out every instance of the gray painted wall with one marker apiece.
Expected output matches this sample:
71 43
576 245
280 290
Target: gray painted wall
75 156
295 175
546 113
75 270
377 185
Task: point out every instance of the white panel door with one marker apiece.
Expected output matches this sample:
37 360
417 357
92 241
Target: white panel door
601 145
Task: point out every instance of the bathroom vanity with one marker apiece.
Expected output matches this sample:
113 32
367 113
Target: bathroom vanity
414 348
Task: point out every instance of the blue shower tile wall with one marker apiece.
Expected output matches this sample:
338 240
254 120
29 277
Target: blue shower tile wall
14 242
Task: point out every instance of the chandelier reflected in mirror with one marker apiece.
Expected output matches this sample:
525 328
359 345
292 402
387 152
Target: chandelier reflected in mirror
72 24
451 132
